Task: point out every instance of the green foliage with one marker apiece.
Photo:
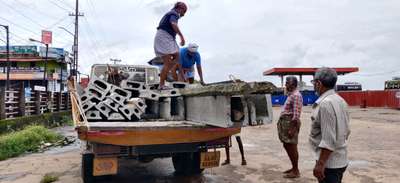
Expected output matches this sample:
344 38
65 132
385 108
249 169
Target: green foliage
48 120
26 140
49 178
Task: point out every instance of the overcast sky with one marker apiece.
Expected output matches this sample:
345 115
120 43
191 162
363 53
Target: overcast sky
238 37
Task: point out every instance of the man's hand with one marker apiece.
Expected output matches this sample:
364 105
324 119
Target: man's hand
182 41
319 171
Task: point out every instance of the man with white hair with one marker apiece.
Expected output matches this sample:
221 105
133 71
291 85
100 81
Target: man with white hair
330 129
188 57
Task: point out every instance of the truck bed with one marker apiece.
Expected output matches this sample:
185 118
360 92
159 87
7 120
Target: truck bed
152 133
126 126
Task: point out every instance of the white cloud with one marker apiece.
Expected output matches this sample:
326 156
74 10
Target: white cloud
243 38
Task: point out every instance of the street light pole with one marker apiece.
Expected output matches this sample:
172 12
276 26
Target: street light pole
7 56
45 67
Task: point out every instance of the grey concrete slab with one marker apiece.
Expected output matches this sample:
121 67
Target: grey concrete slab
211 110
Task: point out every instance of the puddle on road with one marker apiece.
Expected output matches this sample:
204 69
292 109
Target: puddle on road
65 131
12 176
359 164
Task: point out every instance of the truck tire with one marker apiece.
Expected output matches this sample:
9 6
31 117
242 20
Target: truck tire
87 168
187 163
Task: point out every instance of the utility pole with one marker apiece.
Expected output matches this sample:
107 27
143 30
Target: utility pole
115 60
7 56
75 47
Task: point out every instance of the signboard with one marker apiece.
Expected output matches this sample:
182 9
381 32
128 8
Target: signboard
19 49
398 95
209 159
52 52
46 37
39 88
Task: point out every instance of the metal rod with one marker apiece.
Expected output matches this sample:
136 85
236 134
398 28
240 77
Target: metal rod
8 58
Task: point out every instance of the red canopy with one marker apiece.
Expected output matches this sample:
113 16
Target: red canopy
305 71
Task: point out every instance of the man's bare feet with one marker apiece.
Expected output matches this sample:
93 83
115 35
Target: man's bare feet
292 175
244 162
288 171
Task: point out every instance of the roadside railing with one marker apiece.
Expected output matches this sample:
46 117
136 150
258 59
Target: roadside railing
19 102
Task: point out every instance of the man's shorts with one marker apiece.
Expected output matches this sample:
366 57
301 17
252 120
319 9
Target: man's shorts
189 74
164 44
284 124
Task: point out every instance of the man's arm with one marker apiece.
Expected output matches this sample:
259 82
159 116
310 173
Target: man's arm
200 74
178 31
328 133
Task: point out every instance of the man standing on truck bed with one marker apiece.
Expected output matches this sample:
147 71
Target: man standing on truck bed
188 57
165 45
289 125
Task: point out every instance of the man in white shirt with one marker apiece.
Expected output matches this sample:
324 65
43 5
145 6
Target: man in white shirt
330 129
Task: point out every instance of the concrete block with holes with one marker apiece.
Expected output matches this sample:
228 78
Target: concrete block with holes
115 116
120 91
88 97
179 85
138 102
100 84
88 105
111 104
104 109
170 93
130 111
133 85
93 115
117 98
150 95
94 91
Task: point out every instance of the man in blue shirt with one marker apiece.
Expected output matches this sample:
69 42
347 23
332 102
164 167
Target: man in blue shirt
188 57
165 45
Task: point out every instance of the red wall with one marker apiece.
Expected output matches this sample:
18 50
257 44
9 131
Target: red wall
377 98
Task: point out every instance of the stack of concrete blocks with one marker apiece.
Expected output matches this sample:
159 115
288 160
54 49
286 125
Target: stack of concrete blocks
164 104
107 102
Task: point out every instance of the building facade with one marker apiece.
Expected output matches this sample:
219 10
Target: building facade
27 67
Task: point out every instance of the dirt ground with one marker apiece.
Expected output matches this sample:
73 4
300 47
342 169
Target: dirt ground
374 151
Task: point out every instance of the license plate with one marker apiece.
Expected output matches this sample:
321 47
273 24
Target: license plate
209 159
105 166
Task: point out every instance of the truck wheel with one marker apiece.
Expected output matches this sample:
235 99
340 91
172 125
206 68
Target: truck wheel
87 168
187 163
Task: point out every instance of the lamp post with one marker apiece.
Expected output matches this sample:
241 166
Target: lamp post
7 56
44 83
72 72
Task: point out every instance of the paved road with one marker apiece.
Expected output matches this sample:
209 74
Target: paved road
374 152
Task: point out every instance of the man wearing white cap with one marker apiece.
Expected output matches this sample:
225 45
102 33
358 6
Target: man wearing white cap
188 57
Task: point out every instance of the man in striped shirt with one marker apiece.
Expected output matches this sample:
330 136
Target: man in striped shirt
329 129
289 125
